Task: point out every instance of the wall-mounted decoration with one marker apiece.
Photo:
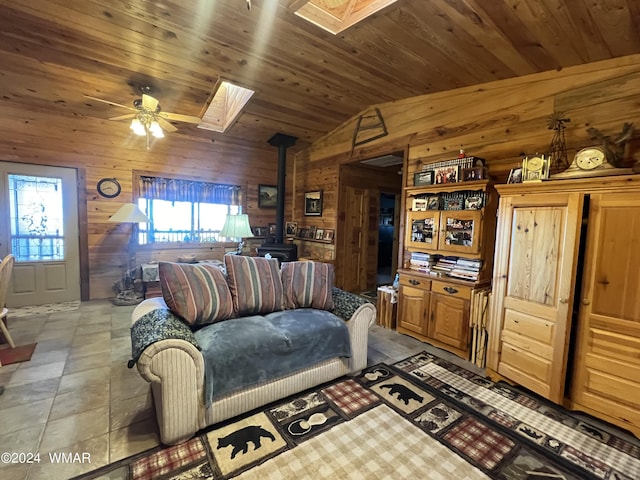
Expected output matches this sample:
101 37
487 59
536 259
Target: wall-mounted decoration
423 178
313 203
267 196
272 229
369 127
319 234
109 187
290 229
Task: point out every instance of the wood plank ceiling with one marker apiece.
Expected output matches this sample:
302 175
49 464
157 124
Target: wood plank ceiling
307 81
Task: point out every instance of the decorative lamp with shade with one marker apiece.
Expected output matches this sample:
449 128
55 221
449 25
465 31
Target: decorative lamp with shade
129 213
236 227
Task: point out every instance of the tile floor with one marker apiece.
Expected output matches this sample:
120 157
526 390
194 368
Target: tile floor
77 395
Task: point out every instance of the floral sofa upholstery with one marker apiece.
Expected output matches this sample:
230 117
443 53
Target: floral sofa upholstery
179 340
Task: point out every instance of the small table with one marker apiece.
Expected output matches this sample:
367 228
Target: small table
387 306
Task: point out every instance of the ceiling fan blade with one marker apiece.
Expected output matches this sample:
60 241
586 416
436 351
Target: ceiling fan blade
109 102
124 117
149 103
180 118
166 125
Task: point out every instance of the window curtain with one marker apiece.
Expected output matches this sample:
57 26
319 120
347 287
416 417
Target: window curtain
178 190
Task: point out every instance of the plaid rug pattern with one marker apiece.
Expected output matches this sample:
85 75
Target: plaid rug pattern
421 416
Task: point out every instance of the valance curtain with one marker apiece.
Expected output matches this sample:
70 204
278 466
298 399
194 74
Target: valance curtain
178 190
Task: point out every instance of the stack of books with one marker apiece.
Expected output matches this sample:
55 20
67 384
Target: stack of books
445 265
422 262
466 269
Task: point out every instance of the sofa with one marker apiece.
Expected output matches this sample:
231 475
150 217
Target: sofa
218 344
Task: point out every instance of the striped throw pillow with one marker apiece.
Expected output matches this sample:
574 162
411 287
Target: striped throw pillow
198 293
308 285
255 284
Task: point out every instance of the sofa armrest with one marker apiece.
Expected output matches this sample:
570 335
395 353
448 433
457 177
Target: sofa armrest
359 314
153 322
346 304
169 358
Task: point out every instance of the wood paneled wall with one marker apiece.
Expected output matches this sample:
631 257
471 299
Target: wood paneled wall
500 121
107 149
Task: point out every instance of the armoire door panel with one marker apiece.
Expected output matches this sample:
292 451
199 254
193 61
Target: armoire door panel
542 350
535 244
607 371
613 388
525 369
529 326
534 267
616 279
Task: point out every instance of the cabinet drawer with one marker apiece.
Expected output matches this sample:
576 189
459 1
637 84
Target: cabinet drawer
452 290
415 282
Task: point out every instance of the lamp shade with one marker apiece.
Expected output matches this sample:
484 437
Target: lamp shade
236 227
129 213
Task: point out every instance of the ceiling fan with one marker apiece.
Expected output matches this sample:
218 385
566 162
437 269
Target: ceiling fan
147 118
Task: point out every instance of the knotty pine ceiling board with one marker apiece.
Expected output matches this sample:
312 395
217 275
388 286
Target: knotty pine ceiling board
307 81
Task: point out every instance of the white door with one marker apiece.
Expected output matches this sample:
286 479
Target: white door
39 226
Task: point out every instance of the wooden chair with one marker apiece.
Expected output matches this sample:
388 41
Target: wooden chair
6 266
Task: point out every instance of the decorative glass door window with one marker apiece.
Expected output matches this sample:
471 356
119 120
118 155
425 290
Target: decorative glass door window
460 231
423 233
37 218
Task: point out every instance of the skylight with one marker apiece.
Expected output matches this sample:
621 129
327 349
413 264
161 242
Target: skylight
226 105
337 15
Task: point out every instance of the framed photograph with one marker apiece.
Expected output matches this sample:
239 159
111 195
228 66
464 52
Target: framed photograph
419 204
313 203
446 174
433 202
312 232
515 175
328 234
290 229
303 232
423 178
319 234
272 229
453 203
473 202
471 174
260 231
267 196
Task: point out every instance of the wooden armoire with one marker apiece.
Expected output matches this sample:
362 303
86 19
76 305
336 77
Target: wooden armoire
565 312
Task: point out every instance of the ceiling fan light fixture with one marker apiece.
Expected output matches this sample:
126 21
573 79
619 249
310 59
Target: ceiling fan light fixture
156 129
137 127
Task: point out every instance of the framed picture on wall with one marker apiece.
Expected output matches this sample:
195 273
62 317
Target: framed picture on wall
267 196
313 203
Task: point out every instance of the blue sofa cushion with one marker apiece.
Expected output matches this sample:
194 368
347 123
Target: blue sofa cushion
242 352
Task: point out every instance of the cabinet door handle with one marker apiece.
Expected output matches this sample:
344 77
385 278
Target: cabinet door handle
414 282
450 290
562 300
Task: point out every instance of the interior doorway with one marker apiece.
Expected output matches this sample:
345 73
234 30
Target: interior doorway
387 227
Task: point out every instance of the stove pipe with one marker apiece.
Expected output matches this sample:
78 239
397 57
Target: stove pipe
283 142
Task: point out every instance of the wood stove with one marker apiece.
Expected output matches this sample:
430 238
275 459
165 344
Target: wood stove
284 252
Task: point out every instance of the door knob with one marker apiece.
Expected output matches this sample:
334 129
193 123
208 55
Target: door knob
562 300
585 301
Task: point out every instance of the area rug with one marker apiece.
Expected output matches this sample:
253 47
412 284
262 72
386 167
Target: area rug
45 309
21 353
419 418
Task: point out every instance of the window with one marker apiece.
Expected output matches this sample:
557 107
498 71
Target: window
37 232
184 210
